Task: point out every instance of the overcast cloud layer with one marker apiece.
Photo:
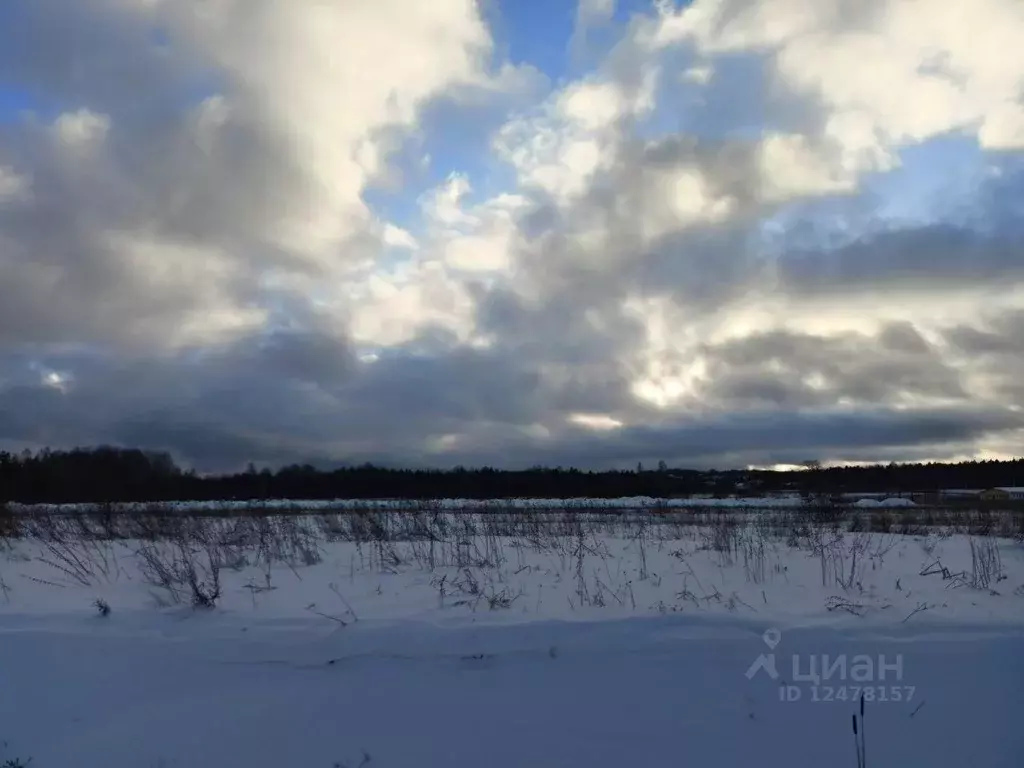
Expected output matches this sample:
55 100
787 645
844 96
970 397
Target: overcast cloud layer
726 233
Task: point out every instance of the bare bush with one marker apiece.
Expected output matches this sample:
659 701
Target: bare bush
986 564
184 570
836 603
753 549
10 526
72 549
501 599
722 537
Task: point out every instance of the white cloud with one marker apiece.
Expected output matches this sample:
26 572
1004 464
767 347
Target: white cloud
323 79
792 167
268 173
443 204
887 73
591 105
81 129
599 422
486 239
1003 127
389 309
475 253
13 186
595 10
574 135
397 237
701 75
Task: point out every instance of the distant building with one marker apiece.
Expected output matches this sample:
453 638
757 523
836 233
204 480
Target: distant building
1003 494
961 493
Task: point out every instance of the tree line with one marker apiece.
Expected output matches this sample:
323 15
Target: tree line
113 474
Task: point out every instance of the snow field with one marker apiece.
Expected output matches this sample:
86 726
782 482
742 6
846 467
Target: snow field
396 638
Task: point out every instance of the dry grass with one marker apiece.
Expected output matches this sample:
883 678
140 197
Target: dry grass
181 556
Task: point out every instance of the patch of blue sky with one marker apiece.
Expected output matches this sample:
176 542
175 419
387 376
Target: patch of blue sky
17 101
535 32
941 180
592 44
16 97
458 138
625 10
937 180
541 33
452 139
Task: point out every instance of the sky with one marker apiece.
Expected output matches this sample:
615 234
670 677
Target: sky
717 233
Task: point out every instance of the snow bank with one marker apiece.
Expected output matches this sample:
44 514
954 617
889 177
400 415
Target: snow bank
891 503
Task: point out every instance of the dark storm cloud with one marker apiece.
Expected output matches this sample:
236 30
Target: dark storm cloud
996 351
288 394
1003 335
764 437
272 401
792 369
981 248
925 259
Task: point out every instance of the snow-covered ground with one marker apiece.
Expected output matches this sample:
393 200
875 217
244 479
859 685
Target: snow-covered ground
434 639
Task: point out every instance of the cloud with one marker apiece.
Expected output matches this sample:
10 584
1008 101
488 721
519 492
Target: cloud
926 259
266 172
683 252
896 367
884 72
302 397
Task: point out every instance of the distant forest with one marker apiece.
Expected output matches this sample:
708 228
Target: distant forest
118 474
